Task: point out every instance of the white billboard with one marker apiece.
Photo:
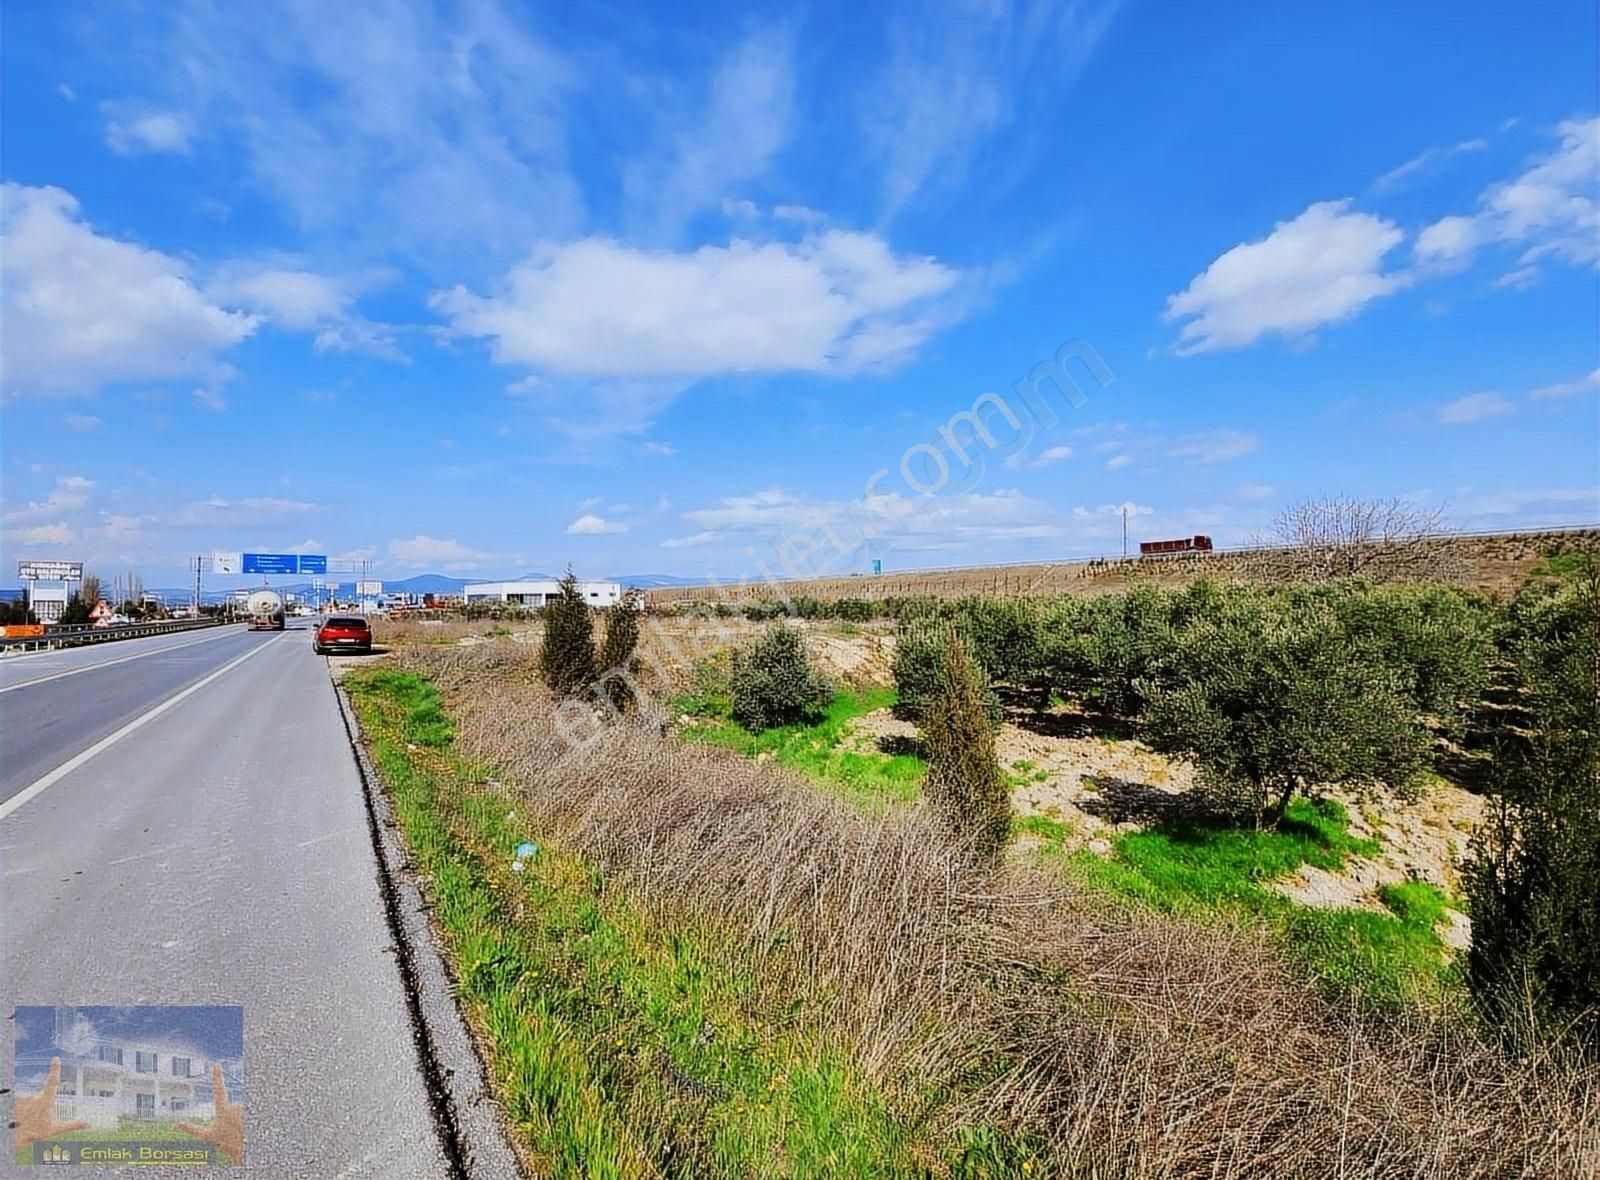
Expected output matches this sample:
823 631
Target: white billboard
369 589
50 571
226 563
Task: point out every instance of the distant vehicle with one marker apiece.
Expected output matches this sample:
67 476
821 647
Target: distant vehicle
343 633
264 611
1199 543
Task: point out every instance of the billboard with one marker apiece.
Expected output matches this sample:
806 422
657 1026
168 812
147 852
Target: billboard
225 563
283 563
50 571
369 589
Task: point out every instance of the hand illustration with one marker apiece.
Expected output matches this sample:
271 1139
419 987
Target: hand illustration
227 1129
36 1115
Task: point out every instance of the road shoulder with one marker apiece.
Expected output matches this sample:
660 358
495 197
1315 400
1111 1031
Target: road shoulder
470 1122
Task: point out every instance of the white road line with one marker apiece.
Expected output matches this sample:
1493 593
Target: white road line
111 739
138 655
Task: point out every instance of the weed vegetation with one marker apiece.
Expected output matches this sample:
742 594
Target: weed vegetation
712 968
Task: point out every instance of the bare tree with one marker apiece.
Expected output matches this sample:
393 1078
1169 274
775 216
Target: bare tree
89 588
1345 537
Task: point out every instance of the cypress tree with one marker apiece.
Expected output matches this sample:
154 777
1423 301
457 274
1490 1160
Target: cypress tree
964 782
566 660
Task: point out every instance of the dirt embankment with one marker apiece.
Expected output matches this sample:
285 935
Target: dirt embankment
1490 562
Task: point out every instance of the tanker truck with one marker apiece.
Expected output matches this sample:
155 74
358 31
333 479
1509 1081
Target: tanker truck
264 610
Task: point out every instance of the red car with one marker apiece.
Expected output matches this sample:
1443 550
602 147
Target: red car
343 633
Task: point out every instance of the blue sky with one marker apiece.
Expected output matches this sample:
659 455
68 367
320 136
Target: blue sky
492 287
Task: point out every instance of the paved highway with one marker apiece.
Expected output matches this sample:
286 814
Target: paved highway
181 822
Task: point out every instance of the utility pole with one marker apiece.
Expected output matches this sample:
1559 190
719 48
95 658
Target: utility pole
1124 532
195 601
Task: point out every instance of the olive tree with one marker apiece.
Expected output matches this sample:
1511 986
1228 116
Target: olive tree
1271 702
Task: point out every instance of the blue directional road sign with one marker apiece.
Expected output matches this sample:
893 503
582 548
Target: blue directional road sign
284 563
271 563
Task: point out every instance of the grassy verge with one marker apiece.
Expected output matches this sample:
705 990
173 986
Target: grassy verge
1190 866
867 777
620 1045
1179 866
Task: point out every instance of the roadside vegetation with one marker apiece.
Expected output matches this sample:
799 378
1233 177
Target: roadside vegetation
712 968
773 949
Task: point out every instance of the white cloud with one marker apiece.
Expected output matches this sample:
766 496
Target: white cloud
955 79
304 301
732 138
131 132
743 210
1449 242
209 398
297 299
799 214
950 522
66 92
1118 462
1552 209
82 310
70 493
436 553
1213 446
1426 161
838 301
1586 384
590 525
1474 407
422 130
59 533
1519 279
82 423
665 450
1045 458
1320 268
1256 491
694 540
217 511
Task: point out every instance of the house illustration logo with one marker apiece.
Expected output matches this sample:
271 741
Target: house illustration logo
138 1084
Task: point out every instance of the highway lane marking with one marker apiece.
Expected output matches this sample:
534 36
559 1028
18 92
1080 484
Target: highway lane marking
111 739
139 655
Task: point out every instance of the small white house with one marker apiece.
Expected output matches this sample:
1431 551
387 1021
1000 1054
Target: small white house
110 1080
534 594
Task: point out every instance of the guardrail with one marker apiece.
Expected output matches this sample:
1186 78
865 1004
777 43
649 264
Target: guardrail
79 635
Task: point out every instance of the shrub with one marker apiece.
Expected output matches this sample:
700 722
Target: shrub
1534 879
964 782
773 683
617 658
1270 703
919 657
566 660
1439 640
1123 637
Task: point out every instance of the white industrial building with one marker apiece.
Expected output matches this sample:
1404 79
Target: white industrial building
536 594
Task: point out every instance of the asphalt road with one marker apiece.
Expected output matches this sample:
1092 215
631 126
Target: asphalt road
212 848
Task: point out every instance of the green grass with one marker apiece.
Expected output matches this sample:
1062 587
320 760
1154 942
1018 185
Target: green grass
1196 867
596 1015
1187 866
866 777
